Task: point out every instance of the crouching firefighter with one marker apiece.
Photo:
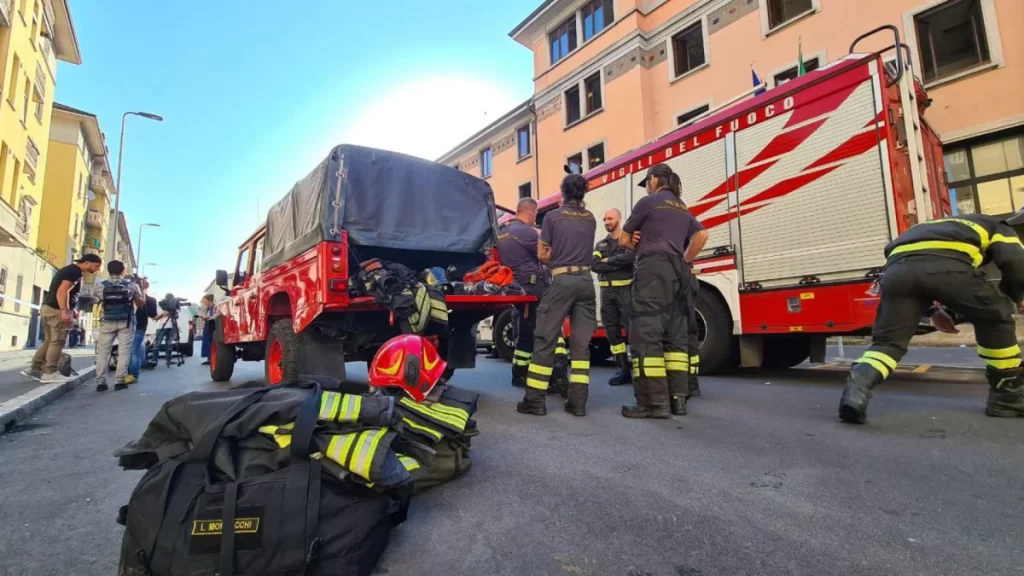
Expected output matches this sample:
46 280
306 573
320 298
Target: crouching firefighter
613 263
517 248
939 261
565 243
658 229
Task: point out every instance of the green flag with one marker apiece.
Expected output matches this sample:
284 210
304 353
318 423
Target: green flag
800 58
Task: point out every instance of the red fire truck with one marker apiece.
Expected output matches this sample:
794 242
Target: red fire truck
801 187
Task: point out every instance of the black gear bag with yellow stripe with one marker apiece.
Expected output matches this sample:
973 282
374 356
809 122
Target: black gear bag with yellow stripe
240 501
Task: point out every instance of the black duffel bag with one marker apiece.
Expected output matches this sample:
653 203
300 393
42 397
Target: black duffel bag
288 522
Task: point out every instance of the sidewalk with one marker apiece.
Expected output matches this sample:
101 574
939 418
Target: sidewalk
14 384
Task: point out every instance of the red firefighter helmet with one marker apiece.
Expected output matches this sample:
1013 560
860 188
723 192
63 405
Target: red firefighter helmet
409 362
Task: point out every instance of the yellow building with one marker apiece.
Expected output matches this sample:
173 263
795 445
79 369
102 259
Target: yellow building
76 145
34 34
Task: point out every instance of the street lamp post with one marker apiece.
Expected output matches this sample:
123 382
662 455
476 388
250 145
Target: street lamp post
112 235
144 267
138 253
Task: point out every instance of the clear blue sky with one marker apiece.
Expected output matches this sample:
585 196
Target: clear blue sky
255 93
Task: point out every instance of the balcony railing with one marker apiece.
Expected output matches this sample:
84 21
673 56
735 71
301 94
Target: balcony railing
88 250
6 7
31 158
100 182
94 219
14 228
48 19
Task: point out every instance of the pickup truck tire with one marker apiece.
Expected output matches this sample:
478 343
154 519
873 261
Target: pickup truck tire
281 361
503 333
222 359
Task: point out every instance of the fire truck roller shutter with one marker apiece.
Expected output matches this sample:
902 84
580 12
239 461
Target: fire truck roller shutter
599 200
820 208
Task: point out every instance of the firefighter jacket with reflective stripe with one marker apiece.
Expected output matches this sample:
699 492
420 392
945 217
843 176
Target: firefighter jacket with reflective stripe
618 270
448 417
395 286
976 239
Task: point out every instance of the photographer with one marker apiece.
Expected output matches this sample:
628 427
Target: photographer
142 316
118 301
165 334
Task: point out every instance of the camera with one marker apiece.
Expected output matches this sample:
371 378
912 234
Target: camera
172 305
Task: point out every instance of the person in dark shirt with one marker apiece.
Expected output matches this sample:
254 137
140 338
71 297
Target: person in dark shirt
614 265
517 248
565 246
58 314
659 229
142 316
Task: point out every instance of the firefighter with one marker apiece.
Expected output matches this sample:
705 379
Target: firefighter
565 247
658 229
614 264
938 261
517 247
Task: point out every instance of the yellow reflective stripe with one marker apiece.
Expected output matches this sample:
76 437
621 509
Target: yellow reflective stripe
415 426
1006 240
653 361
523 354
677 366
542 370
561 341
882 368
362 459
603 283
579 379
677 357
538 384
655 372
695 359
561 351
978 229
881 357
999 352
350 406
617 283
451 410
693 368
329 405
408 462
521 361
969 249
618 348
1003 364
598 254
337 449
456 421
580 364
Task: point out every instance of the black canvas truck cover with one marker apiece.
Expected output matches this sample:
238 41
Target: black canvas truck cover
383 200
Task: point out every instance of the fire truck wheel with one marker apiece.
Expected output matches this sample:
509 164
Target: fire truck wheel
785 351
281 361
222 359
718 347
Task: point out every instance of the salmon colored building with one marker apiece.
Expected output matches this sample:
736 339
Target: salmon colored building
613 75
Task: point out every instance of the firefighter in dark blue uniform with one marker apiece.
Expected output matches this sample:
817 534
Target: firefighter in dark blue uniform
517 247
613 263
658 229
565 242
939 261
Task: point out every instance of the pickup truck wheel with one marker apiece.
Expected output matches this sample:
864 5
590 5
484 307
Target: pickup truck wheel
222 361
282 357
504 335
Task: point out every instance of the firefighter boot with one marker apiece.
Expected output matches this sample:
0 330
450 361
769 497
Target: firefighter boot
559 379
854 405
534 402
519 375
1006 393
678 405
694 384
625 374
577 402
643 408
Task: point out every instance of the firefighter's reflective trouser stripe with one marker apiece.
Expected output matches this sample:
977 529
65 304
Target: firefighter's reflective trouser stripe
527 321
335 406
445 416
658 328
431 433
560 349
355 452
909 287
579 372
615 315
521 358
570 294
695 364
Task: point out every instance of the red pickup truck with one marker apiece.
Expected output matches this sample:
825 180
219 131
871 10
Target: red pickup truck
290 302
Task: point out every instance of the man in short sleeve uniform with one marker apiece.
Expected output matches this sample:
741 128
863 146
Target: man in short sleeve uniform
517 247
565 245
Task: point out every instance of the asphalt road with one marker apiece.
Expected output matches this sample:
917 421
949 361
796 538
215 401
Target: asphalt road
760 478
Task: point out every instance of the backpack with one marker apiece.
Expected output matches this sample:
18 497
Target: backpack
292 520
117 301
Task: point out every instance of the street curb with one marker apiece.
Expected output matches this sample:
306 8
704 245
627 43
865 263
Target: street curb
936 372
23 406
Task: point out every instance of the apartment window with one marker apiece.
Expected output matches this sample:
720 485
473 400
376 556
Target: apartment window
583 99
12 84
563 39
597 16
525 190
782 11
987 177
783 77
593 87
485 162
24 103
523 141
951 38
688 117
76 227
14 341
595 156
79 185
17 292
3 284
688 49
575 163
38 101
572 105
